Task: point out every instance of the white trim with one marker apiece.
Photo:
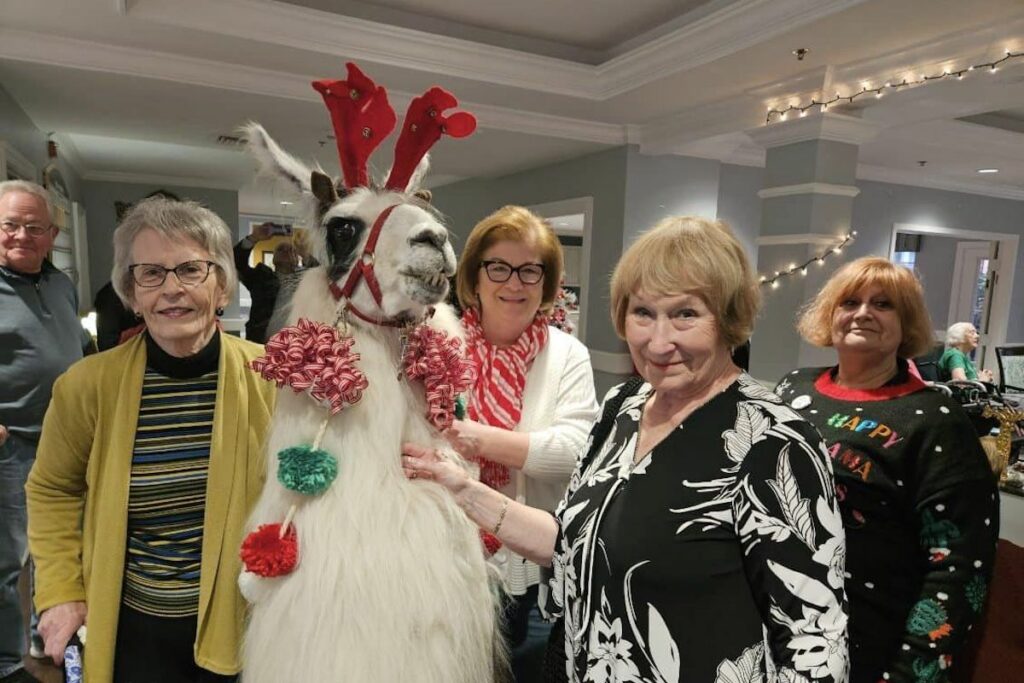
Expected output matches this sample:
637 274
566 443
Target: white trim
817 239
897 176
733 28
11 158
613 363
818 126
956 294
585 206
78 54
144 179
809 188
730 29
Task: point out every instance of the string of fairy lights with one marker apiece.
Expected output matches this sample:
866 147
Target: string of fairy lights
958 74
773 281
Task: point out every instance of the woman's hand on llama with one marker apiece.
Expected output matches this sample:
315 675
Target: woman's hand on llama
466 437
419 462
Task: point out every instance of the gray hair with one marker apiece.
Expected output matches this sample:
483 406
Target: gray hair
27 187
957 333
174 220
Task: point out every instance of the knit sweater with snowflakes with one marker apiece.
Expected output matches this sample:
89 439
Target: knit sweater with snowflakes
921 512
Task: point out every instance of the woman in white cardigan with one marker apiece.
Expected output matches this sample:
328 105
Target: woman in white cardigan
533 403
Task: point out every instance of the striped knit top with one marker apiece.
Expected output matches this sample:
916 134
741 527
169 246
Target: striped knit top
167 494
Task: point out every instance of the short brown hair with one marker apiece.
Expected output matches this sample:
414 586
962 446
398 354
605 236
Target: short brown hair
516 224
899 283
691 254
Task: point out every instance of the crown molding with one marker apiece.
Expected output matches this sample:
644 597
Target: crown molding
895 176
730 29
809 188
735 27
146 179
357 39
827 126
79 54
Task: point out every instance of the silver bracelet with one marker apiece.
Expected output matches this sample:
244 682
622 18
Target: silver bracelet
501 516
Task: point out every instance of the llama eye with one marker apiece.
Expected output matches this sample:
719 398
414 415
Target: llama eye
344 229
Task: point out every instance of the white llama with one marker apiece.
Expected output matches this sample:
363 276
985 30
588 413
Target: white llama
391 582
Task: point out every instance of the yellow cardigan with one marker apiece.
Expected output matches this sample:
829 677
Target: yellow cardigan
78 496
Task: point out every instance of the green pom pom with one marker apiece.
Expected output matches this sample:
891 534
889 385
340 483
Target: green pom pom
460 407
306 469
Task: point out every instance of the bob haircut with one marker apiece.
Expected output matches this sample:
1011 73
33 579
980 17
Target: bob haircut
957 333
899 284
515 224
175 220
690 254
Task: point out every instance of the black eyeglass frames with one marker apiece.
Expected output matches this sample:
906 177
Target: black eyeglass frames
499 271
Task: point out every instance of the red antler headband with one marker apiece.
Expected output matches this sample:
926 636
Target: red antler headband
362 118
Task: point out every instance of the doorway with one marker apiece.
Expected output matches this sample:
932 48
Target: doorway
978 287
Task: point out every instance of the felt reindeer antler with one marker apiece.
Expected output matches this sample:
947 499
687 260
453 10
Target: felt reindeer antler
362 118
424 124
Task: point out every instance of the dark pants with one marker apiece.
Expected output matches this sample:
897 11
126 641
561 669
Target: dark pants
527 634
158 650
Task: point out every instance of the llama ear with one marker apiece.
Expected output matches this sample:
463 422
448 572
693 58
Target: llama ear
418 174
273 160
425 195
323 188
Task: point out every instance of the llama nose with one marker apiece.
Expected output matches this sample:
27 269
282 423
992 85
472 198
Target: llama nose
433 237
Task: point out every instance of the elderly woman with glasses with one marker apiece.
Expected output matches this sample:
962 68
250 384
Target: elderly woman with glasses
149 461
534 400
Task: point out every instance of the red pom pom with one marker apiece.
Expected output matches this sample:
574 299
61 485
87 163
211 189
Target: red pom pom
265 553
490 541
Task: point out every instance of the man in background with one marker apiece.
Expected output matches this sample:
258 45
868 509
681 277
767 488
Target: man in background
40 336
263 282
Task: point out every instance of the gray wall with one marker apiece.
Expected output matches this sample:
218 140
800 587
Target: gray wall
934 266
17 129
99 205
661 186
880 205
739 205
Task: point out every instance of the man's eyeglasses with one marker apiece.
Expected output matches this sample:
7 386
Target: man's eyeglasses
499 271
34 229
189 273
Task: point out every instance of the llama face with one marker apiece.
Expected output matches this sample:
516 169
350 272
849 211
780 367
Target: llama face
413 257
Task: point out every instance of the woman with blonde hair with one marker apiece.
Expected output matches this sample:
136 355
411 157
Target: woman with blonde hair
150 459
918 499
699 538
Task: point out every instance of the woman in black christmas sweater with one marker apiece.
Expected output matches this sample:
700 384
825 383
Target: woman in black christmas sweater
917 497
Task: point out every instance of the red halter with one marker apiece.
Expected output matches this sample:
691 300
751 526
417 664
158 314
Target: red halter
364 269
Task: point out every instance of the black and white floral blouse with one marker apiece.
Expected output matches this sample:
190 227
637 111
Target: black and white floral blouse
719 557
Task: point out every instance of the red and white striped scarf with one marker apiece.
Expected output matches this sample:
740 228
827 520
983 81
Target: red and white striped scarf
497 397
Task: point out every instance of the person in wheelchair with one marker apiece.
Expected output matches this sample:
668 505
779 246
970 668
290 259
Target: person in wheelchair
956 363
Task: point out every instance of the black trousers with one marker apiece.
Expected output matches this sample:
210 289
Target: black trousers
158 650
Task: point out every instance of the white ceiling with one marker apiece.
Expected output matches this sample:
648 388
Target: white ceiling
142 88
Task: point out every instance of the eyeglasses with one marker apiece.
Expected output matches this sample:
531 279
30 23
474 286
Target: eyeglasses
34 229
189 273
499 271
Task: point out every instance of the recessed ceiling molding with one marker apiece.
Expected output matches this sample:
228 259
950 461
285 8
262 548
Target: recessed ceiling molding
121 7
144 179
306 29
78 54
827 126
67 150
897 176
735 27
810 238
809 188
697 124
